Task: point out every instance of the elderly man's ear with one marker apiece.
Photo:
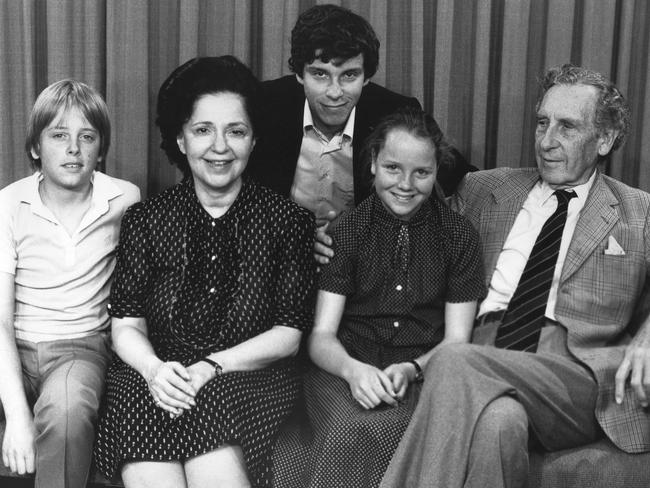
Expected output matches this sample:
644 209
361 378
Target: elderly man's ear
606 141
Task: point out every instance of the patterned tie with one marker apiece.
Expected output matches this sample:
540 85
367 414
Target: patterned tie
523 321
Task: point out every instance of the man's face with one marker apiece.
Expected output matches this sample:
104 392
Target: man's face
567 143
332 90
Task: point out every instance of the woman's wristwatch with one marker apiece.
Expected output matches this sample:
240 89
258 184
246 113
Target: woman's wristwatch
218 370
419 375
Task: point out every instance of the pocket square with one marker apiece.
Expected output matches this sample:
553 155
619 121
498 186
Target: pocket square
614 248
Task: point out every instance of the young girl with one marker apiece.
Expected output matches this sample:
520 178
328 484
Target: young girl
406 276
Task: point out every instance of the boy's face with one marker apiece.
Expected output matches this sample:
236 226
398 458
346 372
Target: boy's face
68 150
332 90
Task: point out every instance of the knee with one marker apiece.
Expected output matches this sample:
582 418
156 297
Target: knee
504 420
449 358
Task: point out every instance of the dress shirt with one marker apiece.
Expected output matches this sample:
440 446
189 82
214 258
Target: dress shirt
324 179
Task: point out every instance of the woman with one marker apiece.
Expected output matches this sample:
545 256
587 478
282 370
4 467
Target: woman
406 275
212 292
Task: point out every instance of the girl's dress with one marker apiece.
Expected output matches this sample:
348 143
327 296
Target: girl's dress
397 277
203 285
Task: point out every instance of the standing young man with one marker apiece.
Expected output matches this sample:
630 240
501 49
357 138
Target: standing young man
58 233
316 121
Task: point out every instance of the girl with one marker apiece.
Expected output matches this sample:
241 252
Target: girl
406 276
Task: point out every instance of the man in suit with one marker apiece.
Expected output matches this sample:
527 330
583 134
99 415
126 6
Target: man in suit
315 121
567 257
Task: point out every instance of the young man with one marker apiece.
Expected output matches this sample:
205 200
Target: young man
58 233
316 121
567 257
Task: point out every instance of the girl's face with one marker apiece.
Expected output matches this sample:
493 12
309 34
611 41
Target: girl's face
405 172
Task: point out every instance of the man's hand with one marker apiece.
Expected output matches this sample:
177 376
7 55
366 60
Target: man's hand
323 242
18 450
636 366
370 386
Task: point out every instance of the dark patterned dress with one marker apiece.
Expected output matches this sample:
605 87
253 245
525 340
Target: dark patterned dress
397 277
206 284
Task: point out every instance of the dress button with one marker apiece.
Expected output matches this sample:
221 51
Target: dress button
396 324
212 290
398 287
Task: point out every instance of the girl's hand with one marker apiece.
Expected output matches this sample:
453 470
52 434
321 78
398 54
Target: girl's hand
400 375
169 385
370 386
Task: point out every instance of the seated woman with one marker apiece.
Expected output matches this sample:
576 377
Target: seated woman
406 275
213 288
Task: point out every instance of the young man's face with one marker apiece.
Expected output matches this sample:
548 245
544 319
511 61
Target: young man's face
332 90
68 150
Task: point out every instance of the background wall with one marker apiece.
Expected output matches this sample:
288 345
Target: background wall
472 63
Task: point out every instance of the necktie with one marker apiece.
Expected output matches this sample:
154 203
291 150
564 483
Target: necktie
523 321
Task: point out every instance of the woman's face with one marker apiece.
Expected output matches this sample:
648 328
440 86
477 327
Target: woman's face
217 140
405 171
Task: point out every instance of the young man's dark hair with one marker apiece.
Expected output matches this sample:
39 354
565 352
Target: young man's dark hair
330 32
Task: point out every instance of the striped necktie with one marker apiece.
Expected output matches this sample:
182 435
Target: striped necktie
523 321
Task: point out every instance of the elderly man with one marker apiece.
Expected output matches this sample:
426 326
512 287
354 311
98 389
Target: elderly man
567 256
315 121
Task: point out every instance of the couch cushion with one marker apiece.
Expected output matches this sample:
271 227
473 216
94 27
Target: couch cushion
597 465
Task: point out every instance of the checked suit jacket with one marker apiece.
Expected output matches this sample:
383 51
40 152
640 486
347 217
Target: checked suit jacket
602 298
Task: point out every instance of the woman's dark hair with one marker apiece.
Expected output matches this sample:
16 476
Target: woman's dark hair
416 122
190 81
331 32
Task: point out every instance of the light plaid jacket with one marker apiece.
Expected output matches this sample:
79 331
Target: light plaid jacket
602 298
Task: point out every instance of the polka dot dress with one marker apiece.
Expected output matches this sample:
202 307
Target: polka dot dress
205 285
397 277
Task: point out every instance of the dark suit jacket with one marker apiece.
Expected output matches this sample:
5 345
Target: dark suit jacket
274 159
598 293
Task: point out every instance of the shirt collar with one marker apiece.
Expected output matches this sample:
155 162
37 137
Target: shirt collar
308 122
104 190
581 191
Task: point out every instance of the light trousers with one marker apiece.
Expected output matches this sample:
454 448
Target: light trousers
477 406
65 381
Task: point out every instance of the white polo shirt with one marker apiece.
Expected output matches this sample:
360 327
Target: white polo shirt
62 282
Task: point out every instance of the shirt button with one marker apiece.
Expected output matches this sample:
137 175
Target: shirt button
398 287
213 224
213 258
396 324
212 290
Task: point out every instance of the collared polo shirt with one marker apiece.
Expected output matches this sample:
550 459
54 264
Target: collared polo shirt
324 178
62 281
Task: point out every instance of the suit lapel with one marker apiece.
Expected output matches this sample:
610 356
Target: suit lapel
596 220
499 215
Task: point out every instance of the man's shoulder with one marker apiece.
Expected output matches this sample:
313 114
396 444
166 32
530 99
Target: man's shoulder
130 191
494 178
282 89
382 99
626 194
14 193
